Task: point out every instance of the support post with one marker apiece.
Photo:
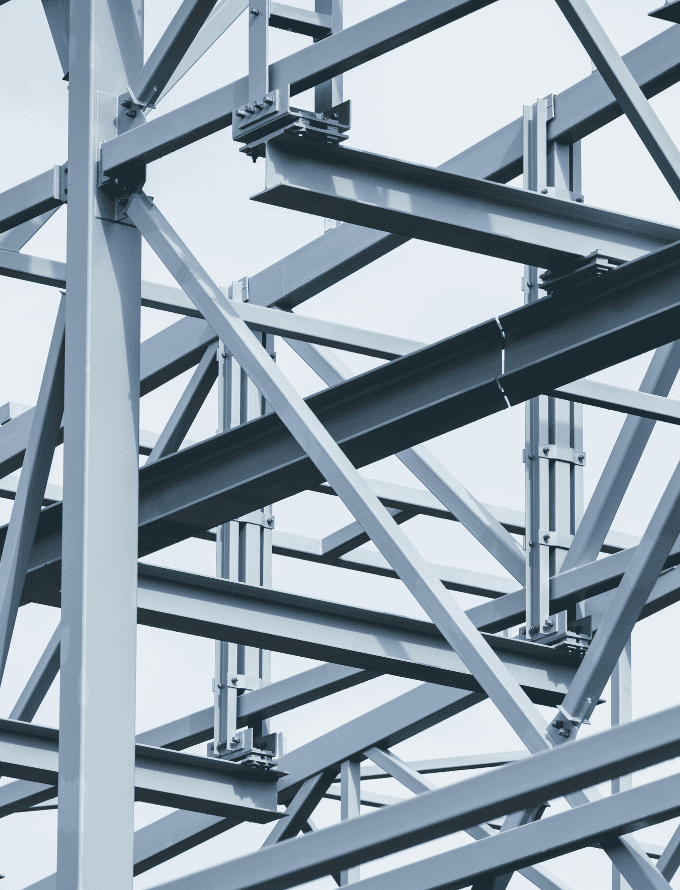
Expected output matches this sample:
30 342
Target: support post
99 572
350 808
244 549
554 487
329 93
622 712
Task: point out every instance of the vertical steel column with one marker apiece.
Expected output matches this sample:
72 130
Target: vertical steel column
554 427
258 51
244 551
350 808
329 93
101 469
622 712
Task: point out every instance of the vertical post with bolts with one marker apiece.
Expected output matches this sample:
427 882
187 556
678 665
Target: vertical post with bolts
244 552
101 469
622 712
329 93
554 427
258 51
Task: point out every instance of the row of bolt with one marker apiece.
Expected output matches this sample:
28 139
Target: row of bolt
534 629
250 109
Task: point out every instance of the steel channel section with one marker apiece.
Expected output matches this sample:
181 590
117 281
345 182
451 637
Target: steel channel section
622 712
449 209
553 487
97 702
470 802
244 548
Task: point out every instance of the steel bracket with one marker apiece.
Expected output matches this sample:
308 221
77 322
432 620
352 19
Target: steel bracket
560 632
549 451
550 538
577 274
243 749
254 124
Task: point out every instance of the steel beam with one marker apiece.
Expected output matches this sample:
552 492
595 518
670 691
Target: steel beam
616 398
32 198
302 70
149 84
622 84
468 803
42 441
163 777
18 237
446 208
38 685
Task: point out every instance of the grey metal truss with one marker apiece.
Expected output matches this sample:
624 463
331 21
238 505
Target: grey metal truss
578 588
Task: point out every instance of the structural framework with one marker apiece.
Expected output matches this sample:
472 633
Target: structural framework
554 635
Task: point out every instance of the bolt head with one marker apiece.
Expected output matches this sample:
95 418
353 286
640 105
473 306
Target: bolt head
234 679
548 622
558 724
240 112
523 631
565 733
581 457
579 200
268 100
534 629
544 191
546 537
254 10
546 450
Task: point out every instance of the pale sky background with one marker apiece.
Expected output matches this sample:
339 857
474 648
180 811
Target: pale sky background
425 103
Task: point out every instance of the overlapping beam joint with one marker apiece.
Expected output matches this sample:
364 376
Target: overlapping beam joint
621 276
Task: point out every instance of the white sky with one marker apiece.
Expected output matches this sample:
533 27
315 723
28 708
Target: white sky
424 103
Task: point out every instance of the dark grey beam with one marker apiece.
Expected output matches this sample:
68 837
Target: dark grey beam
32 198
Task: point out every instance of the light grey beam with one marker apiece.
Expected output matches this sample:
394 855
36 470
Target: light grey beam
32 198
166 56
57 14
271 321
617 398
331 461
38 685
449 764
423 502
669 861
222 17
42 440
411 779
435 477
465 804
188 406
446 208
304 69
327 631
301 807
622 462
163 777
31 268
622 84
18 237
625 608
348 538
519 849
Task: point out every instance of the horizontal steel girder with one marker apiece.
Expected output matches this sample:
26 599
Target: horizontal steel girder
443 811
304 69
374 641
472 214
32 198
164 777
407 401
580 110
